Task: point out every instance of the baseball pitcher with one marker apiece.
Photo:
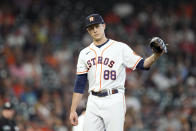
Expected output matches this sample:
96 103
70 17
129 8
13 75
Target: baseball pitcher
103 64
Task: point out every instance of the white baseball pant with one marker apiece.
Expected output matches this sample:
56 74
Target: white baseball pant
105 113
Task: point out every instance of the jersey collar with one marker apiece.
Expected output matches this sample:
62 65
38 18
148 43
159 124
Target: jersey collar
102 45
99 46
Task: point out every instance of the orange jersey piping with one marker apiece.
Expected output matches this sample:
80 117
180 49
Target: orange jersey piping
95 60
101 63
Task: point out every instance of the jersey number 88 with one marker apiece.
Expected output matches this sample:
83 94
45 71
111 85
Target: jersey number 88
109 75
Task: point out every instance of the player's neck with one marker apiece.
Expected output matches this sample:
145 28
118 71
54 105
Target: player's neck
101 41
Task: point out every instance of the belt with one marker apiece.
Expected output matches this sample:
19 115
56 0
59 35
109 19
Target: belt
104 92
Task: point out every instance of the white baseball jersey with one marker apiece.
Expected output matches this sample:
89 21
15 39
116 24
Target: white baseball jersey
106 65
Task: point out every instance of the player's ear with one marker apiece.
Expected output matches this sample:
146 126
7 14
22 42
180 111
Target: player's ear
87 30
104 26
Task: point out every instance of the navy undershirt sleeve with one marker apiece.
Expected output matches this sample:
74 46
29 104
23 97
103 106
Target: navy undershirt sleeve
140 65
80 83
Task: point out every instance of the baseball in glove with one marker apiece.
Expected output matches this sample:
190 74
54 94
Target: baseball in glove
157 45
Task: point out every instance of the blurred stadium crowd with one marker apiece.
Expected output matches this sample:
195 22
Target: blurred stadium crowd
40 41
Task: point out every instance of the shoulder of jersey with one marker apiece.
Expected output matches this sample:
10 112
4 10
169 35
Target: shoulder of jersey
118 44
86 50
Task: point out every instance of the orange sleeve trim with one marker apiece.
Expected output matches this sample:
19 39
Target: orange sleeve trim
82 72
136 64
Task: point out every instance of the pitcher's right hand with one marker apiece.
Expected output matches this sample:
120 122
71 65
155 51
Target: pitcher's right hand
73 118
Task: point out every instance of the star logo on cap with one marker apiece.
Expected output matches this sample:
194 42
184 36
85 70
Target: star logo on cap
91 19
7 104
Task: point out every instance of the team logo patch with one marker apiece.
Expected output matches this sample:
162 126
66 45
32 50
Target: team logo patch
91 19
88 52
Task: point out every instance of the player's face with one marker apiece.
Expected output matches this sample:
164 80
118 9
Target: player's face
97 31
8 113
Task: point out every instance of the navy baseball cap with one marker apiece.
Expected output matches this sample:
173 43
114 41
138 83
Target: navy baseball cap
93 19
8 106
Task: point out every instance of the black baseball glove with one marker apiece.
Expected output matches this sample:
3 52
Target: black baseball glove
157 45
